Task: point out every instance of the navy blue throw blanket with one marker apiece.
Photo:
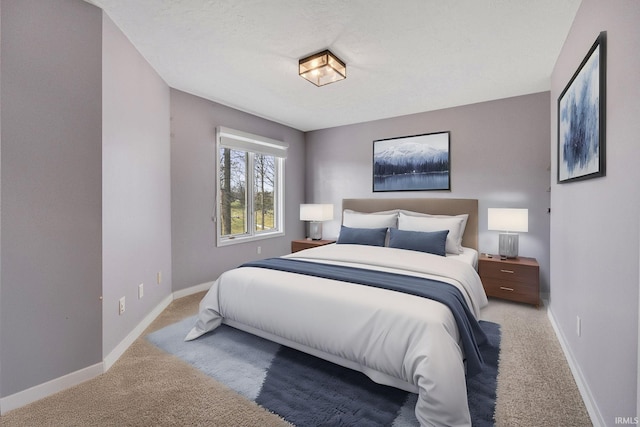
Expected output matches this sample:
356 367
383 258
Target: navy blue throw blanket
470 332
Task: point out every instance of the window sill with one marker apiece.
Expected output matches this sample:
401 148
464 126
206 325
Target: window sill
225 241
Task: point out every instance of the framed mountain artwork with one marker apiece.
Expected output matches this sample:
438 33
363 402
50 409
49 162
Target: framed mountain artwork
412 163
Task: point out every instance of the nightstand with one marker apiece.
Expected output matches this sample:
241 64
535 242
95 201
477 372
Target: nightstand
515 279
298 245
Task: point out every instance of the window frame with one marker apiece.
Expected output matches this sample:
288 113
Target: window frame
252 144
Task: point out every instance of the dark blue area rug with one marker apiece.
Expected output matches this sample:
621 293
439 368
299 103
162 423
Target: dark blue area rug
308 391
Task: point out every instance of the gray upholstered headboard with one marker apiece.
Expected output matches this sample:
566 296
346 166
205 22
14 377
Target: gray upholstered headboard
440 206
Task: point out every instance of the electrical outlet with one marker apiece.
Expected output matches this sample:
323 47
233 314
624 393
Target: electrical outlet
121 306
140 290
159 277
578 325
259 250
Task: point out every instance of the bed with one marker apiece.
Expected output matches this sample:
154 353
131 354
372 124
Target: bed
395 337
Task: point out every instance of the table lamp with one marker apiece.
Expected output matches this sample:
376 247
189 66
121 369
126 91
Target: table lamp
315 214
510 222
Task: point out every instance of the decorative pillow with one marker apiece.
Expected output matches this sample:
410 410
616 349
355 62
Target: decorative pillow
431 223
386 219
463 226
362 236
433 242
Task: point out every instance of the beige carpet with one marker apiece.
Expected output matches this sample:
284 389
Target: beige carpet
147 387
535 384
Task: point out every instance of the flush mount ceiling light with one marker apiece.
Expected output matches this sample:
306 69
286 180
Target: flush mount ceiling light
322 68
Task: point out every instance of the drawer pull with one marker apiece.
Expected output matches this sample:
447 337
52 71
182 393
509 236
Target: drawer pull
506 289
507 271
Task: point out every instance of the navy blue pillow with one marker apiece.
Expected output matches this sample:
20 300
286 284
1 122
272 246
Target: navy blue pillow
433 242
362 236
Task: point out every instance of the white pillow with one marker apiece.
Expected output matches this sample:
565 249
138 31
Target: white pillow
355 219
426 222
463 227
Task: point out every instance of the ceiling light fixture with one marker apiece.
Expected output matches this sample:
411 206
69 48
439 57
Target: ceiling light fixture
322 68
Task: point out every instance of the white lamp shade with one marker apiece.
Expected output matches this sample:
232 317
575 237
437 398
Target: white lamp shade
516 220
316 212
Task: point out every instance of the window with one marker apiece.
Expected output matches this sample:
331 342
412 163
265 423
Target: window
250 186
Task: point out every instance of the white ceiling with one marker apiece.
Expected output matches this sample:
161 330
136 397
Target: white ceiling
402 56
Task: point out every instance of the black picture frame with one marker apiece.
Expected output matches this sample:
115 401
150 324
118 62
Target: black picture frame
582 118
412 163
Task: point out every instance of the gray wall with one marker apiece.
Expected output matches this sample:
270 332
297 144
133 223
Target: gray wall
499 155
136 186
86 188
594 223
195 257
50 313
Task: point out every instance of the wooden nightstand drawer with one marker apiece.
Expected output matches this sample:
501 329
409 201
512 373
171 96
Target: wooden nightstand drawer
511 272
514 291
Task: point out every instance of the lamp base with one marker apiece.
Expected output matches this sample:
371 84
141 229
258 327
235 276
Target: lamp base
508 245
315 230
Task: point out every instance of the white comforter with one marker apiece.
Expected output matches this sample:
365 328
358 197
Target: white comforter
396 339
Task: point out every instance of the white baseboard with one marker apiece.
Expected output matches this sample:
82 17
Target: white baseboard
56 385
585 392
41 391
192 290
115 354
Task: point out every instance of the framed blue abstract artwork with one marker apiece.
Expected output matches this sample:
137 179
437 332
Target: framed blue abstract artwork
581 118
412 163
